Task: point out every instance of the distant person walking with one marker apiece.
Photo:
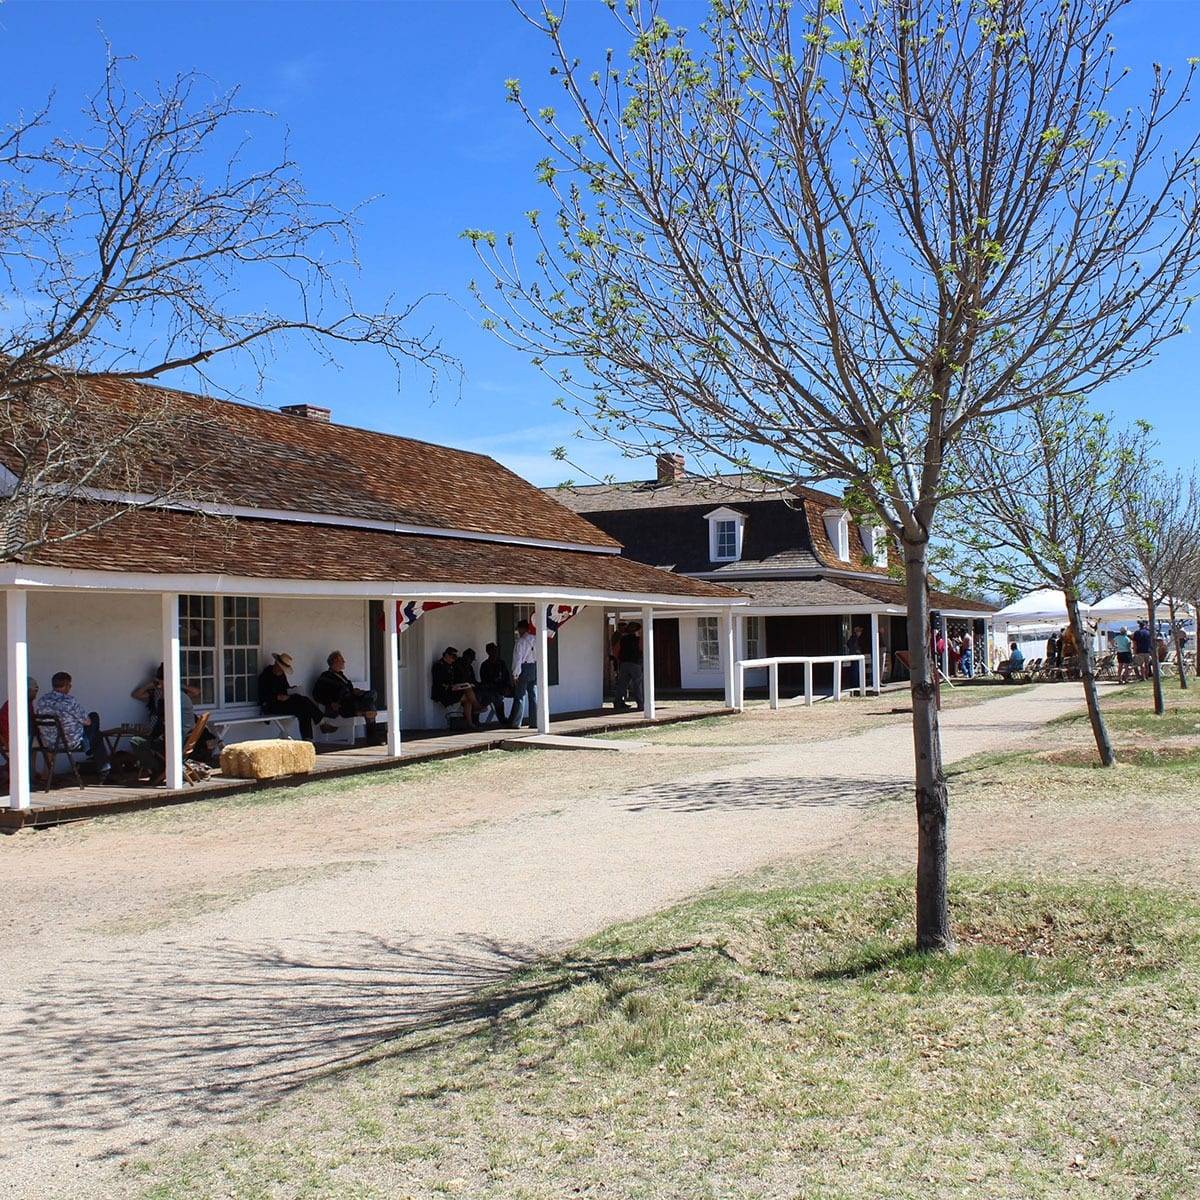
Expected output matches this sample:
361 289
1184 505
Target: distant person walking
525 680
1143 647
1124 648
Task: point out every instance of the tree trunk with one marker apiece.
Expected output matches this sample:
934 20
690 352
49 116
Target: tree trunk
1196 628
1160 705
933 801
1178 644
1087 671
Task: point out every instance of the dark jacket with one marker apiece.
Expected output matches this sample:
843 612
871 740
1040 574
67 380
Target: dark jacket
270 686
331 688
442 674
497 675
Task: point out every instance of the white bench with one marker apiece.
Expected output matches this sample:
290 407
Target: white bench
281 726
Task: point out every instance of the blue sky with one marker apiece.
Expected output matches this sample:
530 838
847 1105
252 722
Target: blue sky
405 102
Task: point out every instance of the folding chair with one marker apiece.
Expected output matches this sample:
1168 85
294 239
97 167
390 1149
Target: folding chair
53 726
189 744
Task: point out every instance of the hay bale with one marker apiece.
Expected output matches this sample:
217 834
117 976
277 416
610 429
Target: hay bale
267 759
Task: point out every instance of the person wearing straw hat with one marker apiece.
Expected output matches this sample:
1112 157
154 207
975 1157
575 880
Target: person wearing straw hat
277 698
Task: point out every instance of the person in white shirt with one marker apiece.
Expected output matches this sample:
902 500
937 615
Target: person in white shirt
524 673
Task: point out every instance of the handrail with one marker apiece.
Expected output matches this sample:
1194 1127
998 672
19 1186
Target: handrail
772 665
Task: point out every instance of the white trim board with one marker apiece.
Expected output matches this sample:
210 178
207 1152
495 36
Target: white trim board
16 575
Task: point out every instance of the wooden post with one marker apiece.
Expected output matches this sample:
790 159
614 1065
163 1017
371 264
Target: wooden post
876 665
17 650
391 675
648 663
541 642
172 683
728 653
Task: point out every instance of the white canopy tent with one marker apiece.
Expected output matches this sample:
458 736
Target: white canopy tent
1044 607
1125 606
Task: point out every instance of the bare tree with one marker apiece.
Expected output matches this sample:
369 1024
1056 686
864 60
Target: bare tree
1160 530
127 250
820 241
1041 495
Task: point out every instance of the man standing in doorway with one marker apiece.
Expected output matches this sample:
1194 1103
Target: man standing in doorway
629 669
524 673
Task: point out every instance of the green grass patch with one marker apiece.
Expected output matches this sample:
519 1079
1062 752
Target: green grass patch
772 1040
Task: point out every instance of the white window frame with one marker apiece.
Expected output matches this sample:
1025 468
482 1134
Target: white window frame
874 539
708 632
753 637
716 520
217 652
837 526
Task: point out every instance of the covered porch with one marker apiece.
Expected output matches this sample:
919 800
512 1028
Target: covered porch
64 804
214 632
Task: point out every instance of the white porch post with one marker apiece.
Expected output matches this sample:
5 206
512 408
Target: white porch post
739 681
172 717
876 665
648 663
945 630
541 643
728 652
391 675
808 683
17 651
773 685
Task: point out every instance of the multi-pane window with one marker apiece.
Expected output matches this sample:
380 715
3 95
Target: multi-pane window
240 647
708 643
198 644
232 644
726 540
753 637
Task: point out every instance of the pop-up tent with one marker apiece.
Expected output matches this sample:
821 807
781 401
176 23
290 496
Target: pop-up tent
1125 606
1046 606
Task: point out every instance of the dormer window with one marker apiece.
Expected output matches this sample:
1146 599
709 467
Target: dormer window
725 528
837 526
874 540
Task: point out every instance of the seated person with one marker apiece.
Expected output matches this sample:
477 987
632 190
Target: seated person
495 679
447 691
464 672
151 694
1013 663
80 728
150 752
32 687
335 692
278 698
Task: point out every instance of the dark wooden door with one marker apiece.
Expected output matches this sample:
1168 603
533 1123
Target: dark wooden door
803 635
666 653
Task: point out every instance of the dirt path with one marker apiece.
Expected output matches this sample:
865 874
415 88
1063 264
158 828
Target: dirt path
174 971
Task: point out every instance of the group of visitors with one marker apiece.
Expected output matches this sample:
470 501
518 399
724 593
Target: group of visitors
959 651
455 682
1136 651
625 652
334 697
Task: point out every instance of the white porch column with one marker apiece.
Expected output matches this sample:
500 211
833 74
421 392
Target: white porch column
648 663
876 665
172 681
391 675
541 643
739 680
17 650
945 630
728 653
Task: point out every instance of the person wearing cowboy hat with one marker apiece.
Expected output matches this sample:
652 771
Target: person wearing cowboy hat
277 698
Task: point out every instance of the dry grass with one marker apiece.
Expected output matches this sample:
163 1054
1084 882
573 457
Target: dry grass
779 1037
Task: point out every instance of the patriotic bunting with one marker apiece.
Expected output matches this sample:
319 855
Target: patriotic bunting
557 615
409 612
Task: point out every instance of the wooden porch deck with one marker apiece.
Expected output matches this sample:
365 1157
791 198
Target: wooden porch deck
62 804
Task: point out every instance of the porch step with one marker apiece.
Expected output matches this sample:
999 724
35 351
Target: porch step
555 741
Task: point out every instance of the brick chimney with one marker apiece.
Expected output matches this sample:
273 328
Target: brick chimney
314 412
670 468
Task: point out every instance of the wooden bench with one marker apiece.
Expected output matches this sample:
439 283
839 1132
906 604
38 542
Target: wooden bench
281 726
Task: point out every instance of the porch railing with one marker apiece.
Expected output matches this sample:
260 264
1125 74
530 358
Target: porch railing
808 660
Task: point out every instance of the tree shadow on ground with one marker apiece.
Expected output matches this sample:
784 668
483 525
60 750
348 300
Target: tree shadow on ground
773 792
163 1042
